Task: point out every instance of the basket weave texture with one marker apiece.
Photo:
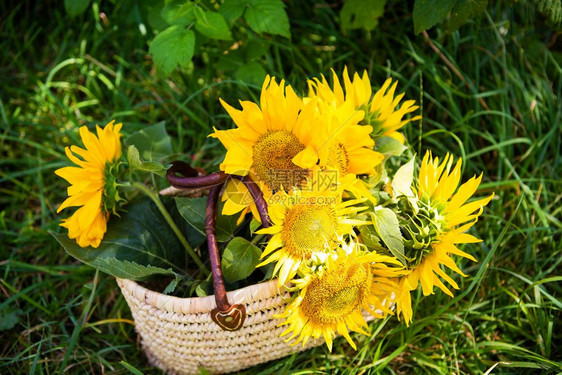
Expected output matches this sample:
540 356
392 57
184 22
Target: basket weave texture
178 335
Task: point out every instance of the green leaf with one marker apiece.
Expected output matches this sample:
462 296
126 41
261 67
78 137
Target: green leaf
268 16
8 318
254 225
465 10
239 259
201 17
119 268
203 288
369 236
388 229
231 61
553 10
256 48
179 12
135 163
171 286
76 7
402 181
152 142
193 211
215 28
130 270
361 14
137 245
389 146
267 271
132 369
231 10
428 13
171 48
251 73
154 16
375 179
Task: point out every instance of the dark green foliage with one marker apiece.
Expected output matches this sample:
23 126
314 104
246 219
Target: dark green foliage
214 26
553 9
239 259
152 142
193 211
267 16
464 10
137 245
356 14
173 47
428 13
360 14
76 7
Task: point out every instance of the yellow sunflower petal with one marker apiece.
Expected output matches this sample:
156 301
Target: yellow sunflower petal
88 224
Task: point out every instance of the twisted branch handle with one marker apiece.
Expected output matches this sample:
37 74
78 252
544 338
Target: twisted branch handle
228 317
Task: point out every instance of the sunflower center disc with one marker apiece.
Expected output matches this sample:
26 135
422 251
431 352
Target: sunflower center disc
337 294
309 228
273 154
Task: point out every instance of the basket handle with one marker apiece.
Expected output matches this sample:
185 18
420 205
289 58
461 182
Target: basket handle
228 317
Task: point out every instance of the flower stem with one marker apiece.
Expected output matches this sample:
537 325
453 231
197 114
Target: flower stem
156 199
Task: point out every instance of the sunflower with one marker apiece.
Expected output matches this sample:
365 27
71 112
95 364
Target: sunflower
92 185
438 226
341 143
307 224
273 140
381 110
331 301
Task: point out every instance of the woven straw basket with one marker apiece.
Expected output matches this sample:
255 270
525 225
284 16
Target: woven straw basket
182 335
179 336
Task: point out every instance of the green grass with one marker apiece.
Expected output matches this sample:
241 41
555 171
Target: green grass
490 93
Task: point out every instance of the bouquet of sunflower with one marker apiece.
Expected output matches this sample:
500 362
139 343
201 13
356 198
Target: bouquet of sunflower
313 191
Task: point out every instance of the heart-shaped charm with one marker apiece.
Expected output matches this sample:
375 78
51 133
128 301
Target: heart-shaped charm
231 319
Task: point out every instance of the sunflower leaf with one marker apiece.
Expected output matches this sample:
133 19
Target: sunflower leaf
138 245
254 225
152 142
193 211
369 236
135 163
203 288
239 259
402 181
388 229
